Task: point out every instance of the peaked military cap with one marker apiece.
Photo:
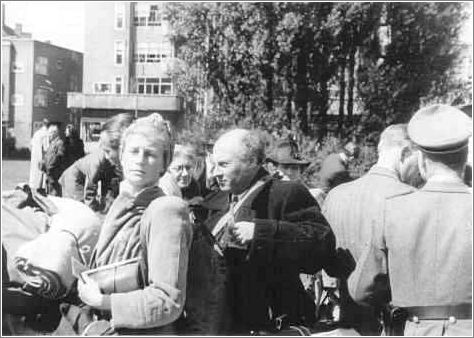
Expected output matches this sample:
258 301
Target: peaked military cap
440 129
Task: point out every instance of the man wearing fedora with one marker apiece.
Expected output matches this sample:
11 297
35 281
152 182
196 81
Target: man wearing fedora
419 261
285 163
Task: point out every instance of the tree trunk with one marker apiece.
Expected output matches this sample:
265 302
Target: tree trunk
351 84
342 92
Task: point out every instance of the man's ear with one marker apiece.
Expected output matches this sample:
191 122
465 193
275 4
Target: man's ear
422 165
405 153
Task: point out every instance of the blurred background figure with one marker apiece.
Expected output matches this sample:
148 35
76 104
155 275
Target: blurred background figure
179 179
285 163
335 168
94 179
73 144
39 145
54 161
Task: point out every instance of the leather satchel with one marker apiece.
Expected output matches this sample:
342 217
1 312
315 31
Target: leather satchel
125 276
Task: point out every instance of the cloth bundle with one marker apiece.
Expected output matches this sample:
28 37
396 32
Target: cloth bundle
39 254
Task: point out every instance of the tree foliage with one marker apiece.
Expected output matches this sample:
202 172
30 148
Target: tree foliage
312 68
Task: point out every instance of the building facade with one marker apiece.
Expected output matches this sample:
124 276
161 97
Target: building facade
36 77
126 66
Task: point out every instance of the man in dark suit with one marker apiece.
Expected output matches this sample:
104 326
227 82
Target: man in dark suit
272 232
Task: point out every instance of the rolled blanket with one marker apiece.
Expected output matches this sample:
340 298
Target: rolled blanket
44 263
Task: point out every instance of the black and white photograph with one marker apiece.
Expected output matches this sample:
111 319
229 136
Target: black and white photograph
224 168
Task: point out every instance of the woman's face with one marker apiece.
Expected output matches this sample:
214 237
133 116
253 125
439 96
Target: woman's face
181 170
142 161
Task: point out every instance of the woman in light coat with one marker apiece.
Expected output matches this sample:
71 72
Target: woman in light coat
142 222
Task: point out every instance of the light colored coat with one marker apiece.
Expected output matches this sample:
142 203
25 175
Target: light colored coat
424 245
39 145
162 223
352 209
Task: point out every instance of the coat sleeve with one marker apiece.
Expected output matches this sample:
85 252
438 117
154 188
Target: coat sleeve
301 236
369 283
168 236
91 170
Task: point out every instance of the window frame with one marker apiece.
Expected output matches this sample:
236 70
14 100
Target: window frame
119 52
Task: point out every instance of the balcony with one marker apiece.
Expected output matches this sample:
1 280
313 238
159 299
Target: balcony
140 102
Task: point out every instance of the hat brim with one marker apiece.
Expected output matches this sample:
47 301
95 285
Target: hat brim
288 161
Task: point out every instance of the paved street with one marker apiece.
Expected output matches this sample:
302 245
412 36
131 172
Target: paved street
14 172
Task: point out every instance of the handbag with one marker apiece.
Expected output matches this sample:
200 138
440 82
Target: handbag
124 276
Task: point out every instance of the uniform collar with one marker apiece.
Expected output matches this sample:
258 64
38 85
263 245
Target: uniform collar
382 171
451 185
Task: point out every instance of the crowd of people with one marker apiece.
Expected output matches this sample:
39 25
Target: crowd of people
227 240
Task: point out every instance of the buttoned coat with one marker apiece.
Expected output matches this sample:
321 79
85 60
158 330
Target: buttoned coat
424 246
352 209
262 282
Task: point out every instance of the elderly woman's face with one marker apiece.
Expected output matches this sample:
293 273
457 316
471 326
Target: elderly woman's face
181 170
142 161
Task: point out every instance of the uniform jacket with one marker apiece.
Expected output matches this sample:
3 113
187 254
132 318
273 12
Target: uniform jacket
162 222
424 246
262 282
81 180
333 172
352 209
54 159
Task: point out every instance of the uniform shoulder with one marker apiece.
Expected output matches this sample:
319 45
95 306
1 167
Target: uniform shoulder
405 191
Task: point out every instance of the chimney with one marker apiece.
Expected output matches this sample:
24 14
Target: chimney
18 29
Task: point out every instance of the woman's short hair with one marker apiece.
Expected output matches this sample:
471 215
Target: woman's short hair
156 129
114 128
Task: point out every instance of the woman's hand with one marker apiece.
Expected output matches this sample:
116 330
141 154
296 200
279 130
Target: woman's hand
89 292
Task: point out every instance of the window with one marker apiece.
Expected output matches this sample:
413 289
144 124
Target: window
154 18
147 15
18 67
118 85
90 131
17 100
153 52
59 64
166 86
73 83
41 65
58 98
41 98
119 52
119 15
102 88
155 86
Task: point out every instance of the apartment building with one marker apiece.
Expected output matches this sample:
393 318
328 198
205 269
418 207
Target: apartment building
36 77
126 65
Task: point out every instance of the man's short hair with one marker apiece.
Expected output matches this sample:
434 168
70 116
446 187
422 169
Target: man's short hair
114 128
251 142
455 160
394 136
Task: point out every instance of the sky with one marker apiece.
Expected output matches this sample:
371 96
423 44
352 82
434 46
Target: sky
62 22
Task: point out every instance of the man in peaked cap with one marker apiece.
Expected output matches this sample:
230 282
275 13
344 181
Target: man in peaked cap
421 251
